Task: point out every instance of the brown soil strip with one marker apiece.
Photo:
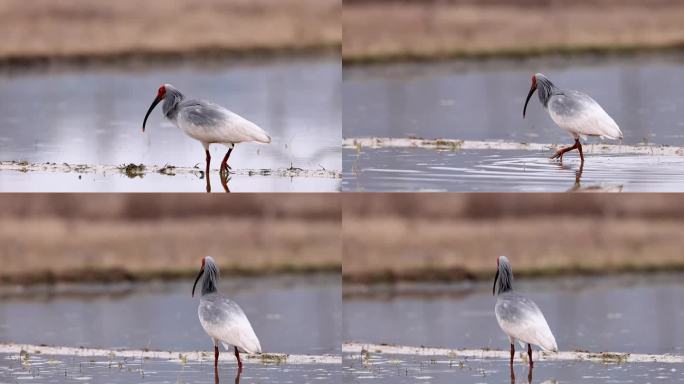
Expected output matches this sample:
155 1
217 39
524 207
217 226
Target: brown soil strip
38 250
82 31
392 248
411 30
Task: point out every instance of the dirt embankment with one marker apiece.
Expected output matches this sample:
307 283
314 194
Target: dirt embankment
420 30
82 31
82 237
457 237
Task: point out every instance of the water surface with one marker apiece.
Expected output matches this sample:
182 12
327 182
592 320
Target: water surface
94 116
69 369
484 100
418 169
412 369
290 314
636 314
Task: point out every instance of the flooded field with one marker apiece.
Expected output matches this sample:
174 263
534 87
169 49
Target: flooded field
420 169
484 101
163 316
94 116
70 369
585 313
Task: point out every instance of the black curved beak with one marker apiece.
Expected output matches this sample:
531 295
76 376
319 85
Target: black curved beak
196 280
495 278
532 89
154 104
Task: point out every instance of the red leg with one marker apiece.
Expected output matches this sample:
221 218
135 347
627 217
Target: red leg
579 148
529 353
512 352
559 154
206 172
237 356
216 355
224 164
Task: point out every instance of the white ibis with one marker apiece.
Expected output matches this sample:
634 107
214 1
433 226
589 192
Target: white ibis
574 112
519 317
206 122
222 319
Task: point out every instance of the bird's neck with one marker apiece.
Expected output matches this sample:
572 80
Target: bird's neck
208 287
504 282
210 279
171 101
545 89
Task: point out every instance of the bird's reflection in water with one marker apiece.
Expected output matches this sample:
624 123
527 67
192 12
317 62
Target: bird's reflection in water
529 374
577 186
225 178
237 376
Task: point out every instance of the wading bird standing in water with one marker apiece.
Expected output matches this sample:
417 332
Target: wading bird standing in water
222 319
574 112
206 122
519 317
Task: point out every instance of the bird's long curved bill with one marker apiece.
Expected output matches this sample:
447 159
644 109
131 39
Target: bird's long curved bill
196 280
154 104
532 89
495 279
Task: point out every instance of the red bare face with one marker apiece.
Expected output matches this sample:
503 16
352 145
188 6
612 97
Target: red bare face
205 257
160 95
497 260
534 82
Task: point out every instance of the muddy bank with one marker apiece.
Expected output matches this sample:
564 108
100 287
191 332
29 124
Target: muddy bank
390 30
392 248
38 250
44 32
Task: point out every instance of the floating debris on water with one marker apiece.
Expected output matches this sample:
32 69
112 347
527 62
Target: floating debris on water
139 170
133 170
182 357
456 145
602 357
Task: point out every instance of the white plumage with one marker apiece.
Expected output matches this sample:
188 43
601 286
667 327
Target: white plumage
573 111
589 119
221 318
519 317
225 322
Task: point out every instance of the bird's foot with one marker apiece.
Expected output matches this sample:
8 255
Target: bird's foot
558 155
226 169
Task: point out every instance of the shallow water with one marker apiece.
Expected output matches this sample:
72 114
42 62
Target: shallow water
421 369
636 314
63 369
418 169
94 116
290 314
484 100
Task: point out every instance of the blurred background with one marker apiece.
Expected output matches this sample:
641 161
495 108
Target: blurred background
376 30
461 69
76 78
116 271
606 270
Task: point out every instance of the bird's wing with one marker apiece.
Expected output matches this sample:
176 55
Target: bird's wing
520 318
581 115
224 320
217 124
